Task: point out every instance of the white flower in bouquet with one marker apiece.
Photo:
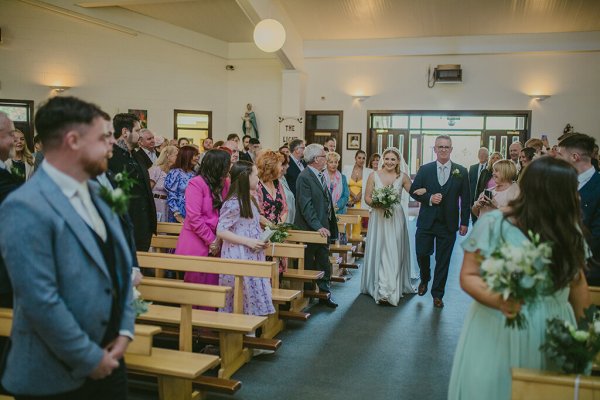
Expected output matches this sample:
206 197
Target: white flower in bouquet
597 327
385 198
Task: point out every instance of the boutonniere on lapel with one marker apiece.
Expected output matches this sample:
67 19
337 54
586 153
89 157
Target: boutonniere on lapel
118 198
17 173
456 173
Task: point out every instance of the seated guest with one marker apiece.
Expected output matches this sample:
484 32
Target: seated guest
289 195
487 349
177 181
503 193
22 162
183 142
577 149
337 183
158 174
486 179
205 195
244 156
239 228
270 193
146 155
374 161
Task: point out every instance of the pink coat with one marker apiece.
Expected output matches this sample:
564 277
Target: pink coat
200 226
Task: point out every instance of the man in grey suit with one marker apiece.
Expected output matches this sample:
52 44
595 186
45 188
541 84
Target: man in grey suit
71 279
315 212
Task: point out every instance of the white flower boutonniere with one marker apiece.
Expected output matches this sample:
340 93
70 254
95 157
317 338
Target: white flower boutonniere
118 199
456 173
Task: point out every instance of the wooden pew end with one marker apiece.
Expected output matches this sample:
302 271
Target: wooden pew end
218 385
294 315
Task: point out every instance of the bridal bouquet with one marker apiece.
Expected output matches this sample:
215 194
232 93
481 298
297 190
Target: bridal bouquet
574 349
385 198
520 273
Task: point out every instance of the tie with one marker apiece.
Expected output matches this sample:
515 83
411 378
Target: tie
480 169
442 175
323 183
93 218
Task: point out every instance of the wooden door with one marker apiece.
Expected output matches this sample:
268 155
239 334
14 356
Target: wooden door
499 140
321 125
381 139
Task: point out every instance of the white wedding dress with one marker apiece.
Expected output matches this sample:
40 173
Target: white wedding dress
387 272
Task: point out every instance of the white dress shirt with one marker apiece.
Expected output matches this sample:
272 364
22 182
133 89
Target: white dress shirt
585 177
150 154
298 163
2 165
78 194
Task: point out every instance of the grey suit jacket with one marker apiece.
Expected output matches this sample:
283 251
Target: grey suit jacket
62 288
312 204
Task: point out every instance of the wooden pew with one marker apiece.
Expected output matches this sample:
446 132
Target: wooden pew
595 295
175 370
169 228
231 327
529 384
305 237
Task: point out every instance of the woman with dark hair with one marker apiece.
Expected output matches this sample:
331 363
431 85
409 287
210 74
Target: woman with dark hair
374 161
526 156
204 195
487 349
177 181
181 142
357 176
240 230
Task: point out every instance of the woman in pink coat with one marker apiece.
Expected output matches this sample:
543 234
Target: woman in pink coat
203 198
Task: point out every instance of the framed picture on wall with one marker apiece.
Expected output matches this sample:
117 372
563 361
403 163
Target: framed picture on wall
142 115
353 141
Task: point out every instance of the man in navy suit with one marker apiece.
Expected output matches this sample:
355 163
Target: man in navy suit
73 317
474 171
577 149
446 183
297 163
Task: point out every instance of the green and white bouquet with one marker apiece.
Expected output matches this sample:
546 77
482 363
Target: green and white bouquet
574 348
385 198
520 273
118 199
277 233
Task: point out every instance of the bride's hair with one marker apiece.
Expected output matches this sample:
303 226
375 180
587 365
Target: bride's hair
396 153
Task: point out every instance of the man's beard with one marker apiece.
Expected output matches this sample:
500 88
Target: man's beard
95 168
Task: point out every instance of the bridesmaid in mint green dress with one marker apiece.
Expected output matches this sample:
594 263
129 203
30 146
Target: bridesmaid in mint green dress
487 350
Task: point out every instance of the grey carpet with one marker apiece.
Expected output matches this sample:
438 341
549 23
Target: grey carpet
362 350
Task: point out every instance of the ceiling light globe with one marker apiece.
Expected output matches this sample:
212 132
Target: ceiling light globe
269 35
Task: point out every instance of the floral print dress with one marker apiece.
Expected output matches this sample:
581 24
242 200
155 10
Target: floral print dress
273 209
257 291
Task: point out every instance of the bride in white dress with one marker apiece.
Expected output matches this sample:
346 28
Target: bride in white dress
387 272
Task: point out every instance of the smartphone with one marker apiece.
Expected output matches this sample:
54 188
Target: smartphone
488 193
544 138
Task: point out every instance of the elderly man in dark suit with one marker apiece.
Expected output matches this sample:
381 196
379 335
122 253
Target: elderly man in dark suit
474 171
577 149
146 153
73 317
141 208
446 183
315 212
297 163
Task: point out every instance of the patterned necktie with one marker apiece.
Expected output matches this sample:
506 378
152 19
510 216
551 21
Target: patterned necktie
323 183
442 175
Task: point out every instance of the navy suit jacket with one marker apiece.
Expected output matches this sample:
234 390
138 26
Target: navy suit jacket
455 197
292 174
8 183
62 285
314 205
473 177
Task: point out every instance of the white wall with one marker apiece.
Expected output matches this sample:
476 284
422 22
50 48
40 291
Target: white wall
490 82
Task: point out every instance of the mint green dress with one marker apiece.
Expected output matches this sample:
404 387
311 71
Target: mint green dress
487 350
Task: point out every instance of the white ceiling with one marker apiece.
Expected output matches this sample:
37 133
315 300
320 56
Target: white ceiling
372 19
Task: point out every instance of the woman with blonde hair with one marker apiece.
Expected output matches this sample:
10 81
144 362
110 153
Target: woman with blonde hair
21 163
506 190
337 183
158 172
486 179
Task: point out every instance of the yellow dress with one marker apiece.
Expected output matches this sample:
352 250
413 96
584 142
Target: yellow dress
356 188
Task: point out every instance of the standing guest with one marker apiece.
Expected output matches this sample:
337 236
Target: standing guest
218 144
146 153
233 146
538 145
234 137
577 149
270 193
239 229
183 142
254 148
285 150
160 143
486 179
330 144
72 290
505 191
514 150
595 158
297 163
177 181
141 208
158 174
444 210
205 194
337 183
22 162
8 183
475 171
207 144
314 212
487 349
374 161
289 195
244 156
38 152
525 158
357 176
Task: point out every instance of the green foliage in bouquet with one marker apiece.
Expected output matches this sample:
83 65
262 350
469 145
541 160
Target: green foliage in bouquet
118 199
385 198
281 232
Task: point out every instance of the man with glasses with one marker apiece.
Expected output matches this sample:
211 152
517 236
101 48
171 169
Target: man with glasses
446 183
297 164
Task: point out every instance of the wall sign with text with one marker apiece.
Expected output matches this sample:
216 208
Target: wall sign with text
290 128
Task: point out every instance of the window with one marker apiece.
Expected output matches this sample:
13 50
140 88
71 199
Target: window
193 125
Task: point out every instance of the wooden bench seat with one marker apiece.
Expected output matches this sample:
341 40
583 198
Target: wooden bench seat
529 384
303 274
285 295
249 341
